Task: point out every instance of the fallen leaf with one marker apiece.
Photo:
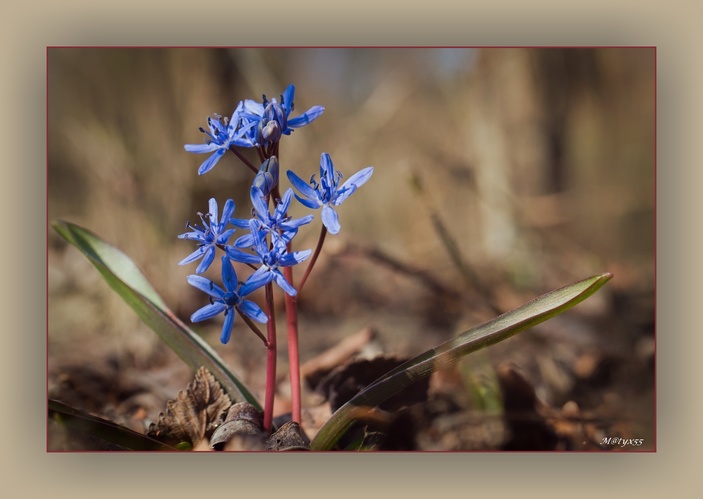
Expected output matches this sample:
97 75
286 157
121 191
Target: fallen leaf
241 429
194 412
288 437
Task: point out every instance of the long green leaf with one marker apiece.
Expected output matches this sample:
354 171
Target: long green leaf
448 353
103 434
126 279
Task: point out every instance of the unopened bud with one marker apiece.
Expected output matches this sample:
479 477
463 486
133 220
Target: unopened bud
271 132
267 178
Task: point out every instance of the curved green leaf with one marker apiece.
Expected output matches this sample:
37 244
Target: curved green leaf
126 279
103 434
448 353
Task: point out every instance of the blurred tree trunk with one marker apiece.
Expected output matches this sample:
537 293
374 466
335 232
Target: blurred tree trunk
549 131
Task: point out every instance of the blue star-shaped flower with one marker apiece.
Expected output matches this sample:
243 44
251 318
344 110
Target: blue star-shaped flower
272 118
209 236
223 134
270 259
276 223
328 193
226 300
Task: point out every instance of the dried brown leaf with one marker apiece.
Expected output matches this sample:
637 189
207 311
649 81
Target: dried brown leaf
241 429
288 437
193 413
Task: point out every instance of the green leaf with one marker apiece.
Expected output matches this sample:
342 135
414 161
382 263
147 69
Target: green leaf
127 280
100 433
448 353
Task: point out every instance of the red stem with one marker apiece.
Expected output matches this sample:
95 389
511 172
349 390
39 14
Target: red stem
320 242
292 325
270 360
293 350
253 327
244 159
292 329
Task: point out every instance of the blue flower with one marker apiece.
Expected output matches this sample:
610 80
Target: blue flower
223 134
270 259
226 300
279 224
328 193
209 236
272 118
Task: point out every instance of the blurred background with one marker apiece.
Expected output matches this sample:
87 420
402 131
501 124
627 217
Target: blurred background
500 174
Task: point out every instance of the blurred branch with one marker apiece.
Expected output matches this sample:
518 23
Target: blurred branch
471 279
379 256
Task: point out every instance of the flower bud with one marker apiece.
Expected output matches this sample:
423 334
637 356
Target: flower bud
267 178
270 132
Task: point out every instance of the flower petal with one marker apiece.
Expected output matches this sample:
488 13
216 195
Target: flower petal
207 260
258 200
224 237
240 256
352 184
245 127
259 235
201 148
212 210
284 204
330 219
245 241
287 97
242 223
295 223
208 311
313 205
206 286
253 311
227 326
326 167
294 258
260 278
227 212
229 276
253 107
191 236
193 256
304 189
306 118
209 163
282 283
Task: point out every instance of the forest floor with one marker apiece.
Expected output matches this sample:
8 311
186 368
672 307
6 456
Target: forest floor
583 381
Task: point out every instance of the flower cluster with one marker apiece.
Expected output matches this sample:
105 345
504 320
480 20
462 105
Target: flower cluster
266 241
271 118
224 133
253 124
